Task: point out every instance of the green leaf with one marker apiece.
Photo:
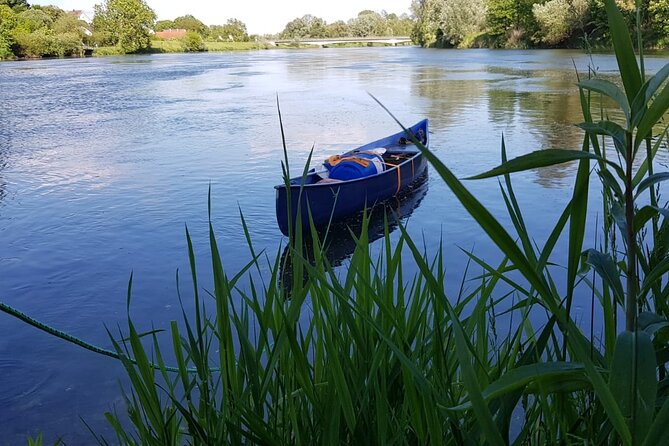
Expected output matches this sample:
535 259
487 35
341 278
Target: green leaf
633 380
650 181
650 322
652 116
609 89
648 90
540 158
654 276
611 183
642 217
622 44
618 214
643 168
608 128
605 267
658 433
520 377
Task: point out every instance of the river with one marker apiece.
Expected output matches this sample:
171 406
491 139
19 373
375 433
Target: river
103 161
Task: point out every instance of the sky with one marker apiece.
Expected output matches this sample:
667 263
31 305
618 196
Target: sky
260 16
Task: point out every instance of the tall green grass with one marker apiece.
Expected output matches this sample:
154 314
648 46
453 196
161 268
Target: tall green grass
369 355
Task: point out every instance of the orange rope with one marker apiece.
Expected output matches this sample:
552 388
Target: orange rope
399 176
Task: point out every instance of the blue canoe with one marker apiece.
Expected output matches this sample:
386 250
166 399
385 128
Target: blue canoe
333 201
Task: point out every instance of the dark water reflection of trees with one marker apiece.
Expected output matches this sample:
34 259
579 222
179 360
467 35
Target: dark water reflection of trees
546 104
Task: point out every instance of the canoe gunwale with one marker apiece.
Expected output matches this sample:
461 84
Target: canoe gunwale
354 180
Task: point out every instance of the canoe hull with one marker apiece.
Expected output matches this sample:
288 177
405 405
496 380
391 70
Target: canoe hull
331 202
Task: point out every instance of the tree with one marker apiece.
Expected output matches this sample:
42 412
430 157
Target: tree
68 23
234 30
659 17
305 26
461 18
558 19
162 25
127 23
54 12
7 23
192 42
190 23
511 22
337 29
34 19
368 23
17 5
426 28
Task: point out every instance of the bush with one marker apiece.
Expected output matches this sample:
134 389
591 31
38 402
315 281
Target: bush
192 42
557 19
44 43
6 47
102 38
68 44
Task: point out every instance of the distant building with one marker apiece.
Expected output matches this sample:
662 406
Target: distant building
84 17
81 15
169 34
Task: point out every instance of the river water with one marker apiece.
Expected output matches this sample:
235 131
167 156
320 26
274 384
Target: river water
103 161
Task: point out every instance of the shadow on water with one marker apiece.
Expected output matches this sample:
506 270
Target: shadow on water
341 238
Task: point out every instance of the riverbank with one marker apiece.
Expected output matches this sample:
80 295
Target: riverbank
177 46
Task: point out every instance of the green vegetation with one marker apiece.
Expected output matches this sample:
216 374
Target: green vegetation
124 23
532 23
192 42
366 24
39 31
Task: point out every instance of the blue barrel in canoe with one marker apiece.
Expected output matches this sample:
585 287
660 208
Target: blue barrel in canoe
351 167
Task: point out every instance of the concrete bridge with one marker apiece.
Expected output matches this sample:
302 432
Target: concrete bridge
389 40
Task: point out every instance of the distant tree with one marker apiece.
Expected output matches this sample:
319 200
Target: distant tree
234 30
558 19
126 23
426 27
400 26
659 18
192 42
459 19
162 25
511 22
68 23
17 5
54 12
34 19
305 26
7 23
190 23
337 29
368 24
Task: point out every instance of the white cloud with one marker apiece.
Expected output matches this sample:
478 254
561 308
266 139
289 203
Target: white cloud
261 17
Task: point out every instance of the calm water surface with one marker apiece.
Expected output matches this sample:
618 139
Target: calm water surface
103 161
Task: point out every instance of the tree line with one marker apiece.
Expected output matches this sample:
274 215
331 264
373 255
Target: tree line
367 23
39 31
532 23
128 26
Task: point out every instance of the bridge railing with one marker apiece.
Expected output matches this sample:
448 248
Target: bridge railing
344 39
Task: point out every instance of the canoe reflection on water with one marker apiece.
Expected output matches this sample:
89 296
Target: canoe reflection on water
340 240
